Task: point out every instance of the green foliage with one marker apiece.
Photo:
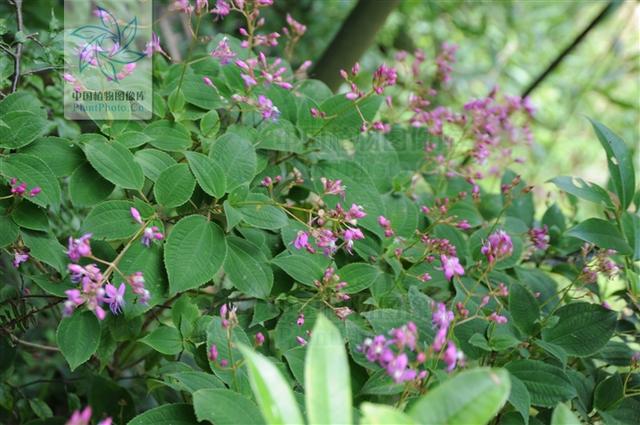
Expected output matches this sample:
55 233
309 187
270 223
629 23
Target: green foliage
285 265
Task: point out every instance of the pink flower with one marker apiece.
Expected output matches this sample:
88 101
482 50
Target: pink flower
223 52
80 417
354 213
452 356
497 247
35 191
301 341
222 8
208 81
451 267
350 236
137 282
153 46
399 370
300 320
332 187
259 338
267 108
213 353
383 77
79 248
136 215
302 241
495 317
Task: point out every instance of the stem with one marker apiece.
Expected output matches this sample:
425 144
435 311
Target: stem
18 55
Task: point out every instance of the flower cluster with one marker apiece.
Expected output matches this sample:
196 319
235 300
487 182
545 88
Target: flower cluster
223 52
258 70
598 261
497 247
95 290
385 223
539 237
18 189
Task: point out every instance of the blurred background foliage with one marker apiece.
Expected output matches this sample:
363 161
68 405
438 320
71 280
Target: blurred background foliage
505 43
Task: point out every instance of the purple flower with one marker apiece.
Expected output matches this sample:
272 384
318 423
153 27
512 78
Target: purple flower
399 371
442 317
498 246
150 234
35 191
301 341
326 240
79 248
451 266
267 108
19 257
354 213
384 76
540 237
350 236
405 336
222 8
259 338
115 297
332 187
300 320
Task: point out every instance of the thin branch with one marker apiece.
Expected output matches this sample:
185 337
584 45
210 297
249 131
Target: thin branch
610 7
18 55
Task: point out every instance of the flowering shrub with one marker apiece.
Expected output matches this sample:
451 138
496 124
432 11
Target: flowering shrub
265 250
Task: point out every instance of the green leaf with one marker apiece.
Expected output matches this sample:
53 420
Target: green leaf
608 392
174 186
164 339
9 231
78 337
46 248
471 397
519 397
225 407
168 136
279 136
237 157
258 210
115 163
359 276
132 139
153 162
272 392
83 194
524 309
547 384
600 233
194 252
22 128
167 414
111 220
148 260
29 216
34 172
381 414
209 174
193 381
58 153
228 349
210 123
582 328
583 189
199 94
303 268
631 228
620 162
562 415
343 119
326 375
248 268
